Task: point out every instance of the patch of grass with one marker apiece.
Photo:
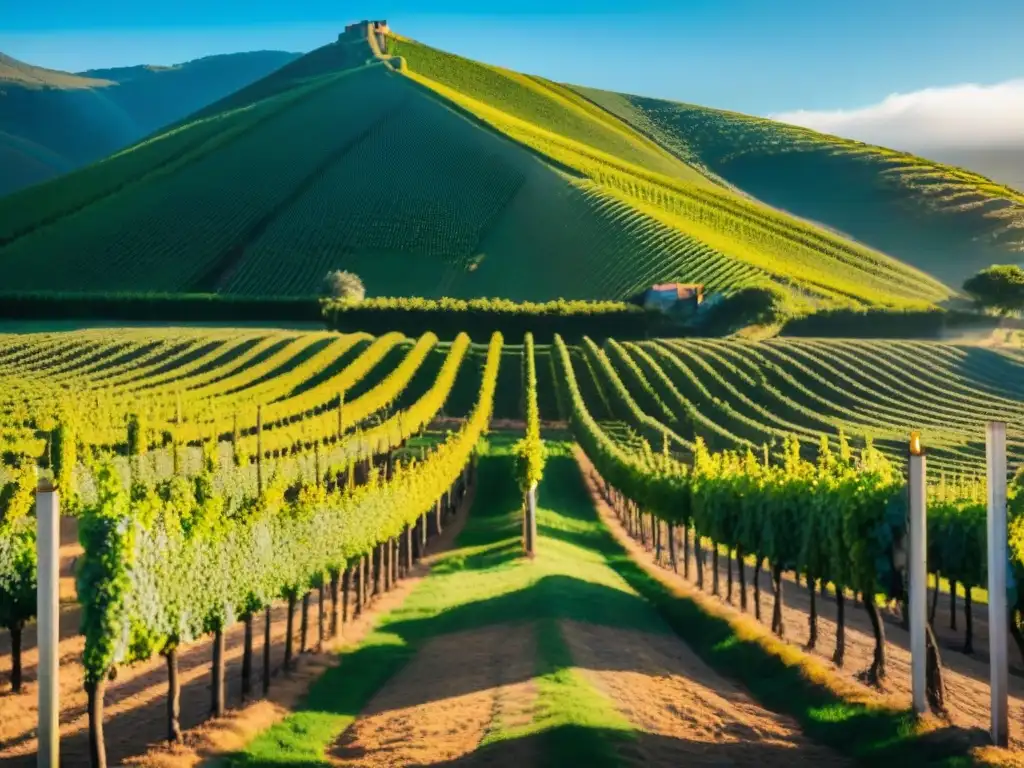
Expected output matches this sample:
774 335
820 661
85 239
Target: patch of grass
581 726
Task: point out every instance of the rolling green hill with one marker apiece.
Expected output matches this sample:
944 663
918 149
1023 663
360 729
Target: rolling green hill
427 174
943 219
53 122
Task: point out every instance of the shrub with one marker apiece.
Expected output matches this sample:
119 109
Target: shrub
756 305
344 285
449 317
999 287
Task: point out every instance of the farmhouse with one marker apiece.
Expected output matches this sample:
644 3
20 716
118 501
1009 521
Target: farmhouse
672 298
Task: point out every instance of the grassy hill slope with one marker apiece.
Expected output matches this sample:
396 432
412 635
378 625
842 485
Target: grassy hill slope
427 174
625 164
52 122
412 195
945 220
14 72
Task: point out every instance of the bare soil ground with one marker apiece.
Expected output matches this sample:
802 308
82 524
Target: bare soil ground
135 721
684 712
966 678
441 706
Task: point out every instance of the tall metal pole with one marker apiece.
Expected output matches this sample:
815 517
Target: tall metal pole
917 565
48 618
998 613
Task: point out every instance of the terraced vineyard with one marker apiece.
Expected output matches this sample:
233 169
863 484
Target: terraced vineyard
559 124
192 386
734 394
257 421
833 517
948 221
367 436
302 388
428 175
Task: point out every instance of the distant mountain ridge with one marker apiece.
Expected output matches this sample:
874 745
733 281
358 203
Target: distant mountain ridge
14 72
52 122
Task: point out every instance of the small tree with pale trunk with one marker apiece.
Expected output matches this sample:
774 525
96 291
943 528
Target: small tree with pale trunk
999 287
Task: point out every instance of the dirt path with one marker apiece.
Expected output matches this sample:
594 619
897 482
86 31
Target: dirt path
463 689
684 712
136 700
442 705
967 690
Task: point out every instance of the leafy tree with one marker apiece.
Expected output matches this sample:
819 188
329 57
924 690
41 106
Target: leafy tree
529 451
17 560
754 305
999 287
339 284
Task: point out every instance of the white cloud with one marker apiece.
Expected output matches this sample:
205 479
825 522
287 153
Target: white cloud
960 115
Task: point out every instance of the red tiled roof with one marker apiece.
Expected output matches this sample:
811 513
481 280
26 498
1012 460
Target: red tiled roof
680 289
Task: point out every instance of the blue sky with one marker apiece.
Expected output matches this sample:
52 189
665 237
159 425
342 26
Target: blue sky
755 56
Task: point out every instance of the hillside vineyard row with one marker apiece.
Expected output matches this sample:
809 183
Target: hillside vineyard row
190 387
168 560
836 520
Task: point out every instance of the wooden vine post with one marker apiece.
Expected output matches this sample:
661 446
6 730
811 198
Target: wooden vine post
218 676
360 582
304 623
173 695
316 463
335 604
530 521
529 452
266 649
346 584
259 448
247 657
289 632
321 615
